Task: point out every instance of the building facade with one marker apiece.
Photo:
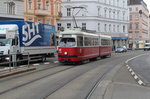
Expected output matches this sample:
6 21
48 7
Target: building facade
43 11
110 17
139 24
11 10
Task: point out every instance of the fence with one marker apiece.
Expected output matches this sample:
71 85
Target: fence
12 60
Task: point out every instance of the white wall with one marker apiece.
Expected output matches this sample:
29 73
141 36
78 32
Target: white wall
92 17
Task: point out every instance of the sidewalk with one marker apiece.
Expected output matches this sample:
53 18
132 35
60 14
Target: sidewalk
124 86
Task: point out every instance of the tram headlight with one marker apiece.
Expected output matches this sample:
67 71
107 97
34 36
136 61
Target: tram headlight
65 53
7 58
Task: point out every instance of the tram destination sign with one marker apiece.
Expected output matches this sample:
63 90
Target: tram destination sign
67 35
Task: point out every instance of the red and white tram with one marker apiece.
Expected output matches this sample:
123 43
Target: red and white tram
76 45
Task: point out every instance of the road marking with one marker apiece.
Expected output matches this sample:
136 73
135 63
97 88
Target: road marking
130 70
46 63
140 82
135 77
138 79
132 73
36 64
56 61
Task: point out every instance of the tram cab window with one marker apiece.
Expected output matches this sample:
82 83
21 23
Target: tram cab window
67 42
79 41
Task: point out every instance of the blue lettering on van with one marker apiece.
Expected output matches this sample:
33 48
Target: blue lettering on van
30 33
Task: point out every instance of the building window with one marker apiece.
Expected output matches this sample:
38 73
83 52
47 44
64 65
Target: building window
117 2
105 13
105 27
59 26
114 28
118 15
137 25
98 26
47 5
84 26
39 4
123 15
30 19
110 14
136 17
118 28
137 35
130 17
40 20
124 28
114 15
109 27
130 35
11 8
98 11
123 3
68 25
68 11
47 21
29 4
130 26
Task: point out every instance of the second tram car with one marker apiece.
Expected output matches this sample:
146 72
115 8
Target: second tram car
76 45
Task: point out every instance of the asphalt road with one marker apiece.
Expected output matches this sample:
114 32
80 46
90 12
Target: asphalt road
141 66
61 81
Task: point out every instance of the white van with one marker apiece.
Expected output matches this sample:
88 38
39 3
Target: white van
147 47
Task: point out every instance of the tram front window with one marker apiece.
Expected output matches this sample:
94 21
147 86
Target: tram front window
67 42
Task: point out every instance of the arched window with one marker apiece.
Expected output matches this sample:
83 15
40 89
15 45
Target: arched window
30 4
11 8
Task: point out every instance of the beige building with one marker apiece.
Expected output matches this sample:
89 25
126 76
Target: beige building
139 24
43 11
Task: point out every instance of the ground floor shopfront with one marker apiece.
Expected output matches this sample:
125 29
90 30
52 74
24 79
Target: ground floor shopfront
119 42
136 44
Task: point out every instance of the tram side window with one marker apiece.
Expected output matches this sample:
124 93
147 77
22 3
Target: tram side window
105 42
80 41
87 41
96 41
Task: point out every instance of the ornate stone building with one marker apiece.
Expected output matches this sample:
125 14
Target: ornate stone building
11 10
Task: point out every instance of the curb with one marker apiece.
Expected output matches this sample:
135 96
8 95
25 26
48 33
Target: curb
135 76
16 72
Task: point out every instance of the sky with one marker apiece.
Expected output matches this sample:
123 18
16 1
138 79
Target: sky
148 3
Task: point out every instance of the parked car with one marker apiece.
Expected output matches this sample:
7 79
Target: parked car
120 50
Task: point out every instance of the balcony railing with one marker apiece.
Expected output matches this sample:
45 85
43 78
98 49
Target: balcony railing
41 12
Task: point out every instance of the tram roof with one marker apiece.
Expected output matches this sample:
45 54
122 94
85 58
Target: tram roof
105 36
77 31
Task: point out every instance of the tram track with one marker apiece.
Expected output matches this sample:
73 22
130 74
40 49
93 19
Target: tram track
101 76
34 80
96 81
64 79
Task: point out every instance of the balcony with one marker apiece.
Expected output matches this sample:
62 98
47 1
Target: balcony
59 14
41 12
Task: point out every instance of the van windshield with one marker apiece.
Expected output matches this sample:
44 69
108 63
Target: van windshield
67 42
4 42
146 45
